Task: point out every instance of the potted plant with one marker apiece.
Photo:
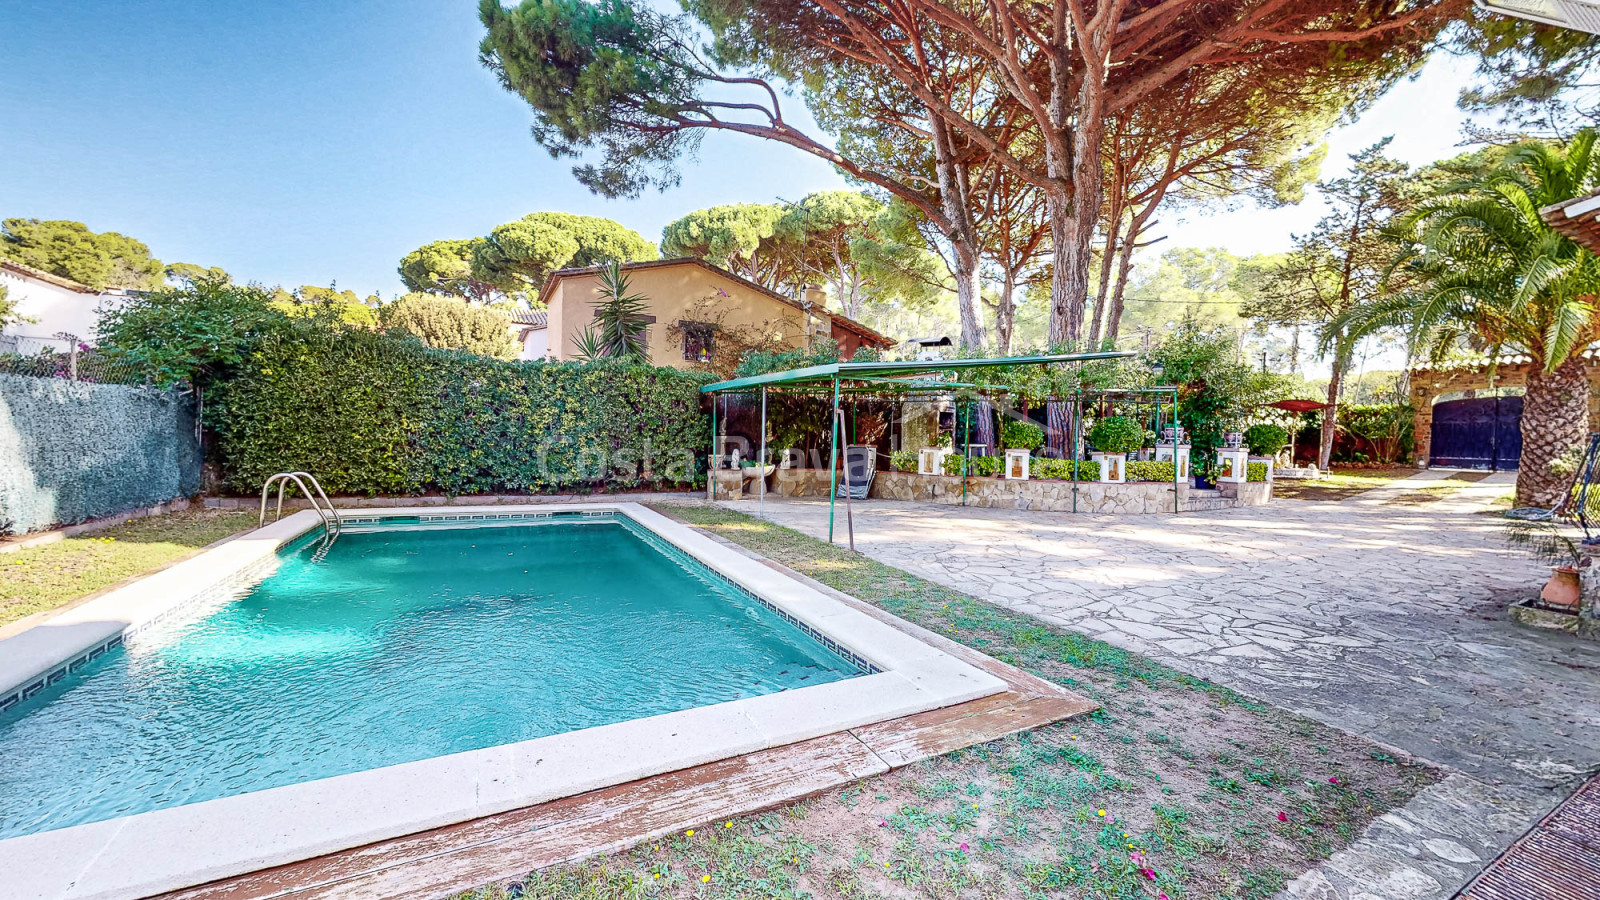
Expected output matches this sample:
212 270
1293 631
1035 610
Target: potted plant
1021 439
1113 438
1551 542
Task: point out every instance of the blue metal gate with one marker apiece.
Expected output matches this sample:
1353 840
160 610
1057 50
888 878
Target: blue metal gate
1481 433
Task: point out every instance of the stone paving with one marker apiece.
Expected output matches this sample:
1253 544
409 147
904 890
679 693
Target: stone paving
1385 620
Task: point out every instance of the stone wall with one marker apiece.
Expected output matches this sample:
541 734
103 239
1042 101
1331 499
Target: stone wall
1132 498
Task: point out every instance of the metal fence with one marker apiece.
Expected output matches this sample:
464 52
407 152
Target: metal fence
65 356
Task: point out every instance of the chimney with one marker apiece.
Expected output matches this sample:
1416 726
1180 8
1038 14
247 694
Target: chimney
816 296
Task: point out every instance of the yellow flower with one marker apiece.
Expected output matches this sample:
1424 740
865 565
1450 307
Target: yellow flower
705 878
1102 812
690 832
727 824
658 874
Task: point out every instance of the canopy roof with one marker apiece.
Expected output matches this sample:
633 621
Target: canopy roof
884 373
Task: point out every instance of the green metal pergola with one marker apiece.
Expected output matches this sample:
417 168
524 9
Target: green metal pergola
915 377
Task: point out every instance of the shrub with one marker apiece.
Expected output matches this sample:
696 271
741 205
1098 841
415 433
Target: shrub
446 324
369 413
1116 434
903 460
1265 440
1255 472
978 466
1145 470
1088 469
191 333
1019 435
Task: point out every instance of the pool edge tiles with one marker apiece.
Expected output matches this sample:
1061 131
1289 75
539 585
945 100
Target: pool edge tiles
187 845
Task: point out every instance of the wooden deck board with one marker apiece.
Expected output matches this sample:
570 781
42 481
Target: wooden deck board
508 845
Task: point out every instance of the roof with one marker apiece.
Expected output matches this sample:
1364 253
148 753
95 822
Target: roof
886 371
1578 219
872 337
57 280
535 319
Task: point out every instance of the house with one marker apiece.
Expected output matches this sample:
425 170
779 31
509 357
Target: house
683 293
529 328
52 312
1578 219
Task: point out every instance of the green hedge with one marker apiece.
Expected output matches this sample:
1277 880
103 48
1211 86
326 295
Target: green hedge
903 460
1150 470
371 414
1088 469
978 466
1255 472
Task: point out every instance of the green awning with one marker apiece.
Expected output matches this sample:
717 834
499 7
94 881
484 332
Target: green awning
881 372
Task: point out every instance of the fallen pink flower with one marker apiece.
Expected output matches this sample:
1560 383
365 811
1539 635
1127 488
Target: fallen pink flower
1283 817
1150 874
1333 780
963 846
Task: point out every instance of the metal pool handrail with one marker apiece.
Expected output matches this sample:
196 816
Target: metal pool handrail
330 516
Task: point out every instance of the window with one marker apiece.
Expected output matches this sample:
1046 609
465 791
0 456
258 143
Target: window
697 341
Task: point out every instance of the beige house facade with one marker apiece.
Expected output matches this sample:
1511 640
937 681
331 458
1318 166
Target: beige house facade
685 296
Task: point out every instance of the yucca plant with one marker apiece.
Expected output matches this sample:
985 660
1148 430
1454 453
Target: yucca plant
619 320
1479 264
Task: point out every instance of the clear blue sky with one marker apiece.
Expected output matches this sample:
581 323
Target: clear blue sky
314 142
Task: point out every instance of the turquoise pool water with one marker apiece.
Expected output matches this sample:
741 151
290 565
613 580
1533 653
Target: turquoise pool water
394 646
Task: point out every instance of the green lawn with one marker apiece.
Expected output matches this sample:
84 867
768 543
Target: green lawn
43 578
1338 484
1176 787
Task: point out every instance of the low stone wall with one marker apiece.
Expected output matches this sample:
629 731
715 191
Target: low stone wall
1136 497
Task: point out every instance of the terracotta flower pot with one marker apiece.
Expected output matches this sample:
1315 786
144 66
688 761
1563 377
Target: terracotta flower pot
1563 591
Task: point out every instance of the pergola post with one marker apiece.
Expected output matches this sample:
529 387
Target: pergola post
711 461
833 458
761 461
1175 426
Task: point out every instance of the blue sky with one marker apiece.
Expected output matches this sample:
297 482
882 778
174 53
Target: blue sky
312 143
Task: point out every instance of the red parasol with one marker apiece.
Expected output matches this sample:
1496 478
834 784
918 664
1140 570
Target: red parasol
1298 406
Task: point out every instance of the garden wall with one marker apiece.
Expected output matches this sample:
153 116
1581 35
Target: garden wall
1053 495
72 450
369 414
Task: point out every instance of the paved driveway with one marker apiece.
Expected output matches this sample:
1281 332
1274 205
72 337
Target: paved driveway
1386 620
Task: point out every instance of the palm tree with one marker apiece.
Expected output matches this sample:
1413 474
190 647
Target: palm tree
618 330
1479 265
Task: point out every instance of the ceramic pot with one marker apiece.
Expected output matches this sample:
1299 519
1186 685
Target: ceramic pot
1563 590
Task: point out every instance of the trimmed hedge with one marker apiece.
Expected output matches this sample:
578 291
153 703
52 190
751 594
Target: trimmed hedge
1255 471
903 460
367 413
977 466
1088 469
1150 470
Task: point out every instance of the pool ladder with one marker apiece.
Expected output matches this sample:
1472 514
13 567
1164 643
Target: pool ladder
331 522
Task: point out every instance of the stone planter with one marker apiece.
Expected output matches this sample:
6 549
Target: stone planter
1017 465
1268 461
1113 467
930 460
1233 466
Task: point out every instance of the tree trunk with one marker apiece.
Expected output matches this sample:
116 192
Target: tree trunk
967 297
1005 315
1124 266
1107 254
1330 416
1555 418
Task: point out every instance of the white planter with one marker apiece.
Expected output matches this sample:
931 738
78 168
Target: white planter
930 460
1113 467
1233 466
1017 465
1180 458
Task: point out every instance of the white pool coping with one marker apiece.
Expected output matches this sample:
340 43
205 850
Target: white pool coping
167 849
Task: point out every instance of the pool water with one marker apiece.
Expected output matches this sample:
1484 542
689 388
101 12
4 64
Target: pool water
397 645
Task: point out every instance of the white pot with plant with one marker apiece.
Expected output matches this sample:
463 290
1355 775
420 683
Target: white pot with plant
1021 438
1113 438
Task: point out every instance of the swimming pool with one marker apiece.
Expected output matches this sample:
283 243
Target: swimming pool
393 645
277 698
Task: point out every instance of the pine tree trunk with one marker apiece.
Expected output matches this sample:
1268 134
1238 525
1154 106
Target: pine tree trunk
1330 416
1124 266
967 299
1555 418
1005 316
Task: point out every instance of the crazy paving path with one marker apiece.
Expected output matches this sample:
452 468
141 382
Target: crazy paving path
1386 620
